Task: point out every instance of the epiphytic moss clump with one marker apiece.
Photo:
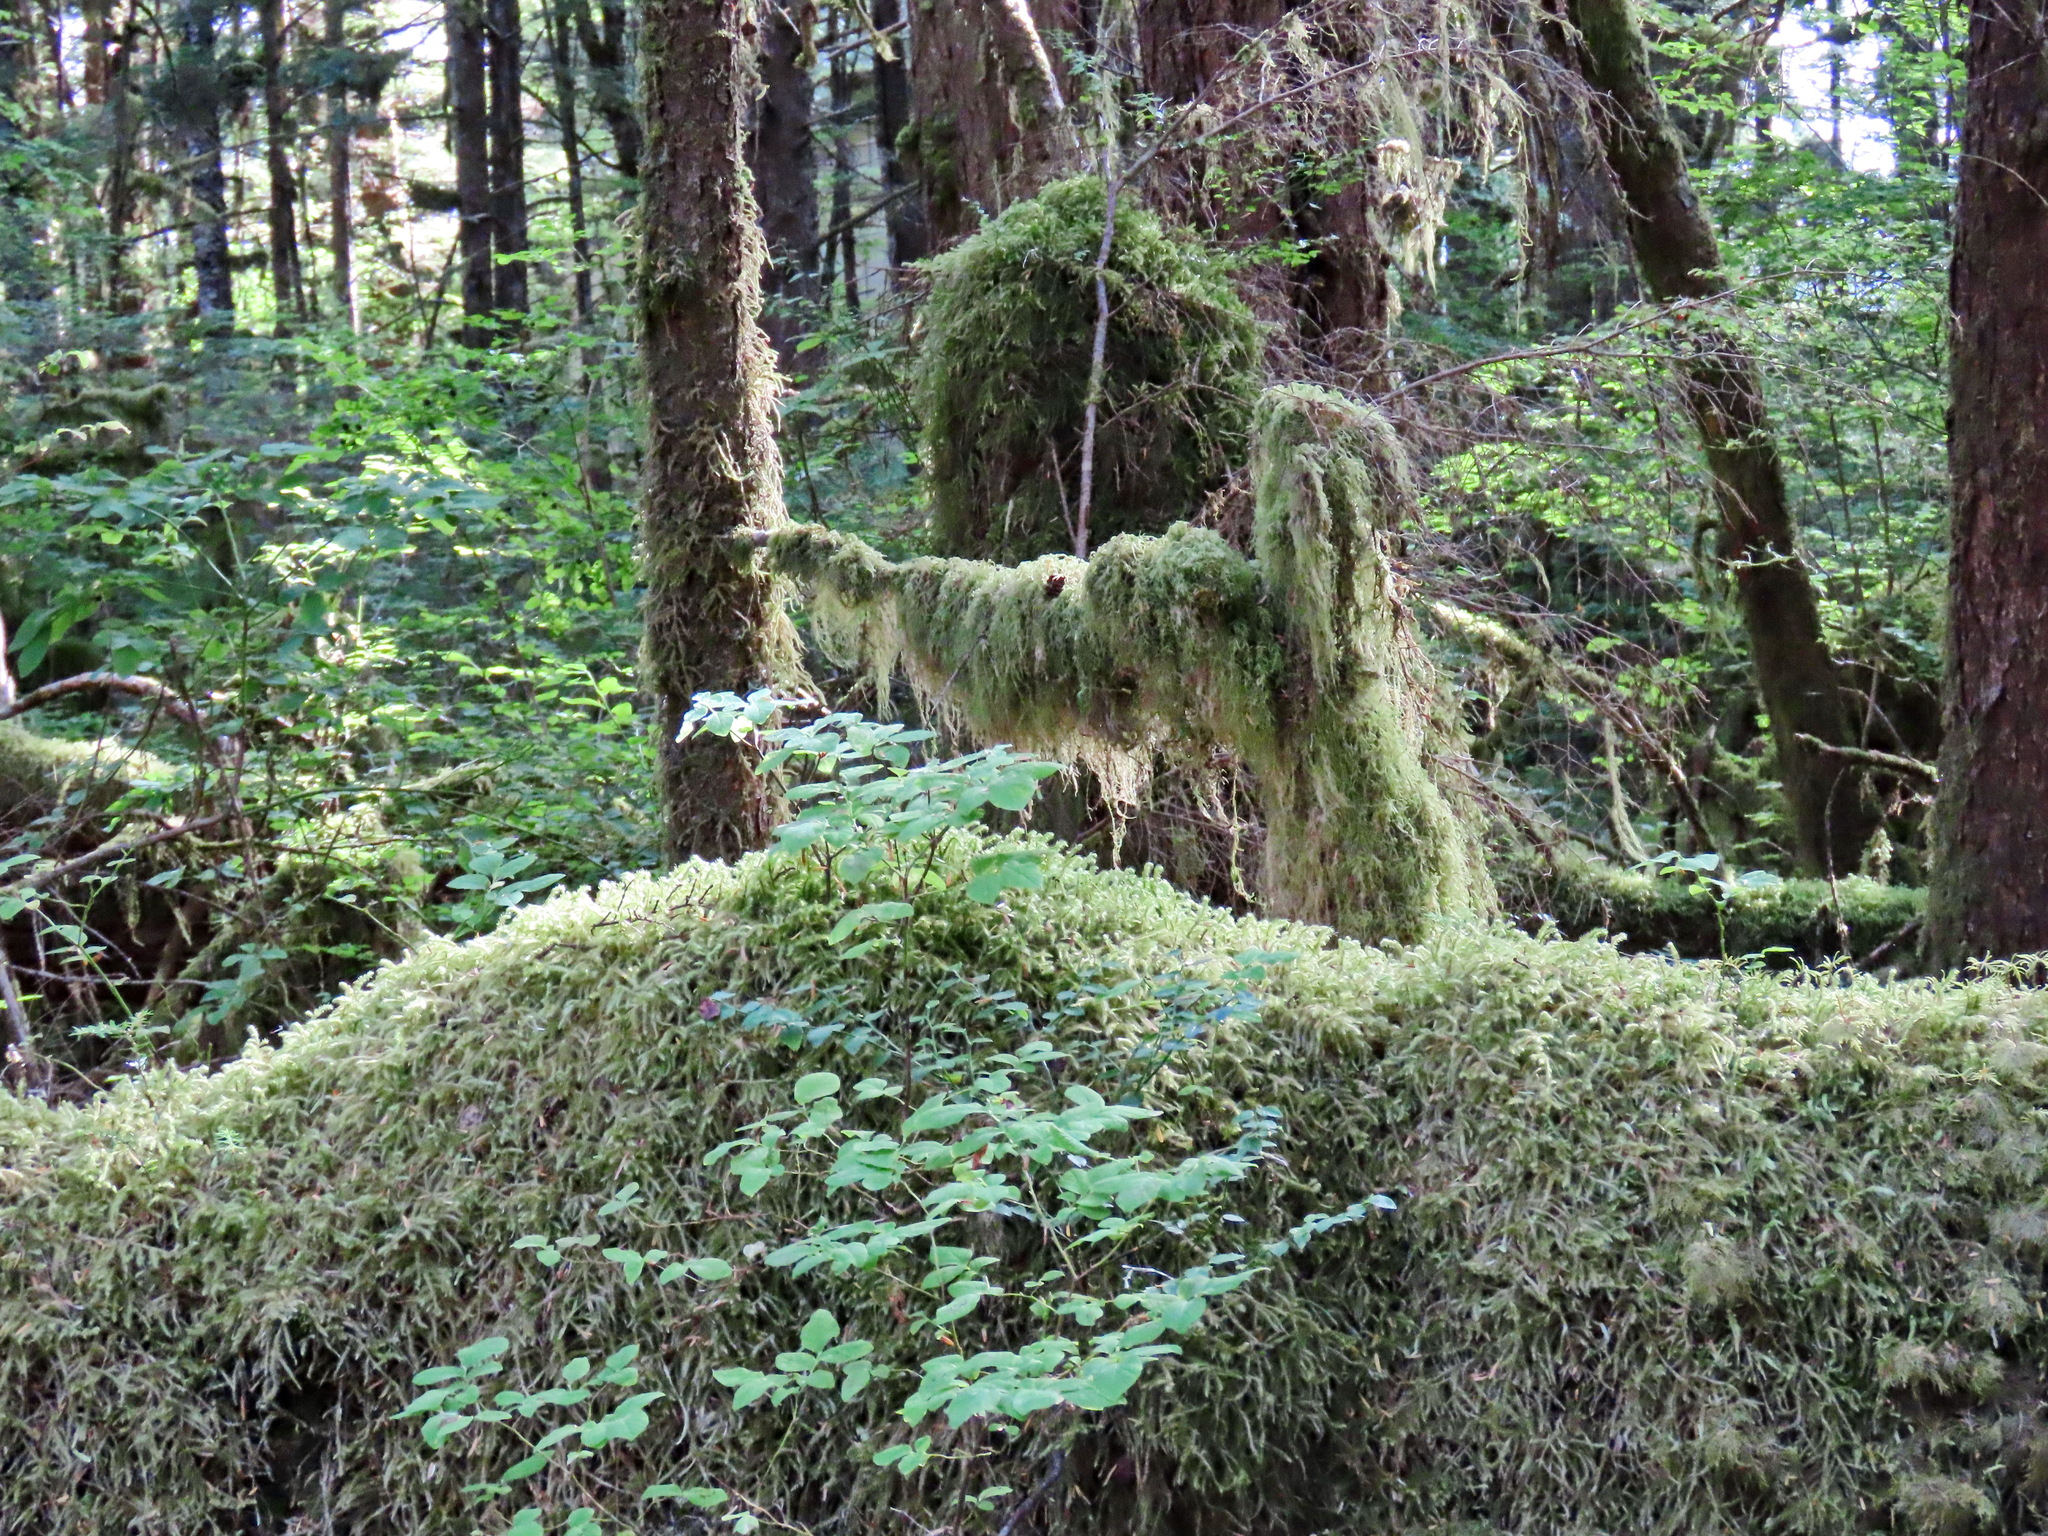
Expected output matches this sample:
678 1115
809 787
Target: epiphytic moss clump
1002 376
215 1289
1300 662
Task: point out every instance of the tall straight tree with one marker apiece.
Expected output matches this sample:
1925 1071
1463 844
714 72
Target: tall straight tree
782 154
604 43
712 473
562 62
197 88
469 138
1679 259
909 237
277 149
340 131
1989 891
507 154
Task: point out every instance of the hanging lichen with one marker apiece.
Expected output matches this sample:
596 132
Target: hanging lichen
1300 662
1003 375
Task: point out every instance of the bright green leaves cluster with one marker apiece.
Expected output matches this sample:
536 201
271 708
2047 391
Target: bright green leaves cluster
818 1363
868 811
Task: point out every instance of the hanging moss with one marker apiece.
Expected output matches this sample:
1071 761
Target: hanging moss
1300 662
1680 1250
1003 374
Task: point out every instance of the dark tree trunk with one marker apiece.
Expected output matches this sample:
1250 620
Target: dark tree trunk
123 295
713 619
1679 258
611 87
469 137
1989 892
909 237
277 128
564 65
984 131
199 90
24 259
340 215
782 153
508 155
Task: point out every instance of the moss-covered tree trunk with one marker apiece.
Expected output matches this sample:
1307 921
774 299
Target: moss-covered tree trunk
277 154
1989 894
713 622
199 86
1679 259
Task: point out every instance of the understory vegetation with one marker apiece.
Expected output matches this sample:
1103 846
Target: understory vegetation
1164 769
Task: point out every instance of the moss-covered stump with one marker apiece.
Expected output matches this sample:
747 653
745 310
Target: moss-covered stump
1678 1248
1002 376
1786 922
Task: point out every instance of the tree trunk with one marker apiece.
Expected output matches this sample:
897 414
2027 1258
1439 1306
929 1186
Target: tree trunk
199 87
24 258
507 155
1989 892
469 136
909 237
123 296
713 618
848 243
1679 259
611 86
340 219
284 234
564 64
783 156
985 132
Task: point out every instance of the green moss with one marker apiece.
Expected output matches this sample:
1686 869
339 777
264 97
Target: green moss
1791 921
1666 1234
1301 663
1003 372
40 774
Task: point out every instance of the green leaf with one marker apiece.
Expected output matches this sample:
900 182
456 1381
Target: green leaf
819 1330
816 1085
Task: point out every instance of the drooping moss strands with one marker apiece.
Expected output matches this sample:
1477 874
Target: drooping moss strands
1300 662
1003 376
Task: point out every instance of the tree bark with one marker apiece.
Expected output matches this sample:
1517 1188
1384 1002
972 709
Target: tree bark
199 88
1679 259
469 137
1989 891
782 153
507 155
611 89
277 127
984 133
562 59
340 217
713 617
909 236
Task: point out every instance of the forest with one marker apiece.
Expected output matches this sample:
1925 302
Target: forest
992 767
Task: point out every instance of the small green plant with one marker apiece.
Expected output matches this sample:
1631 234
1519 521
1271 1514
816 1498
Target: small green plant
1038 1257
1707 875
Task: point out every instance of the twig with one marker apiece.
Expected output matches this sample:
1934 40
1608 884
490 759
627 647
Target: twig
24 1047
854 221
111 850
1890 762
114 682
1054 1469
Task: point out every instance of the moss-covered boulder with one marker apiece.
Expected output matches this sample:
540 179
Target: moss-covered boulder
1002 376
1679 1248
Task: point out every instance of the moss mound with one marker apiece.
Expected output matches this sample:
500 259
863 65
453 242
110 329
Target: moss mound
1003 376
1679 1248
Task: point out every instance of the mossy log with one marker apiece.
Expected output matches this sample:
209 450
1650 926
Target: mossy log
1300 661
1679 1249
